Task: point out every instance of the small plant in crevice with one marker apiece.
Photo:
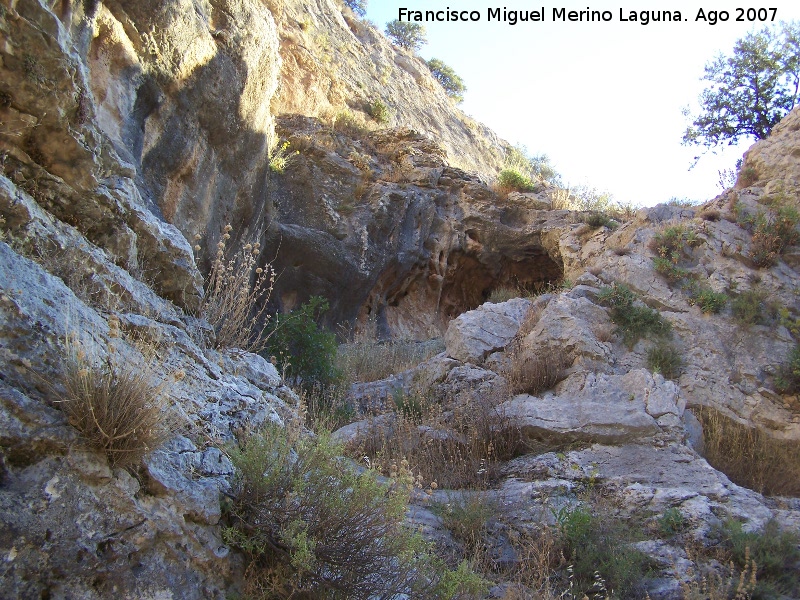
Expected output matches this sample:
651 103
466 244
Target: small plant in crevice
773 231
379 111
666 359
707 299
633 320
673 245
280 157
672 522
670 270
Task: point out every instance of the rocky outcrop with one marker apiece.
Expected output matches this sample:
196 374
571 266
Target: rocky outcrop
334 61
89 530
417 241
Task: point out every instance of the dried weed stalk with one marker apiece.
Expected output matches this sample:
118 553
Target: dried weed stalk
236 296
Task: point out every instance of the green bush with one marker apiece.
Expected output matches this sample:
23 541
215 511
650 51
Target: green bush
633 321
775 553
453 84
511 180
599 219
672 522
787 380
304 351
461 584
671 271
315 527
595 545
379 111
707 299
751 307
664 358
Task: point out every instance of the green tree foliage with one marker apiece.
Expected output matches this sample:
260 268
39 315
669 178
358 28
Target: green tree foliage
448 78
305 351
405 34
751 90
357 6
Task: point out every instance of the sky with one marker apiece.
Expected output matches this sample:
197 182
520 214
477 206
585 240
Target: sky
603 100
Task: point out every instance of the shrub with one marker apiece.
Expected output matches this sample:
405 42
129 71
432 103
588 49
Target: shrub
787 381
672 522
535 166
461 448
671 271
368 359
775 553
674 239
305 351
116 407
236 294
750 457
598 548
314 527
633 321
665 359
453 84
751 307
466 517
773 232
348 123
707 299
511 180
598 219
461 584
405 34
538 373
379 111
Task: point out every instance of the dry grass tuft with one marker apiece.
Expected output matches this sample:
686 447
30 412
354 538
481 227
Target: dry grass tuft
456 449
116 407
532 374
749 456
368 359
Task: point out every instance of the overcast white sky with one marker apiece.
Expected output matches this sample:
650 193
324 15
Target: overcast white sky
603 100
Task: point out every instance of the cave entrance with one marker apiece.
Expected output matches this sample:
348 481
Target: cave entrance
472 282
420 304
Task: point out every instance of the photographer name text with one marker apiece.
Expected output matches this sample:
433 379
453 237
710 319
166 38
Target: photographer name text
709 16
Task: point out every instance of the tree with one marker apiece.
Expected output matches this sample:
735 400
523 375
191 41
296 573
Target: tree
357 6
448 78
405 34
750 91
